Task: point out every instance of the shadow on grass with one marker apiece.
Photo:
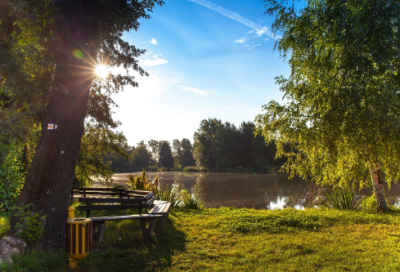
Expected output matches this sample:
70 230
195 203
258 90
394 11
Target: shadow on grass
125 249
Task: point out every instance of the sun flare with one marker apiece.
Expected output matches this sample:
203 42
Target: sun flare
101 71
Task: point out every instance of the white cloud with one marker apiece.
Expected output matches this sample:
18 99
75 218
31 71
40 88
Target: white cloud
263 30
153 41
259 29
250 47
153 61
241 40
194 90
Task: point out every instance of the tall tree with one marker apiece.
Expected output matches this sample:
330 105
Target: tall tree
155 152
187 153
203 150
165 159
141 157
182 152
49 50
343 108
177 154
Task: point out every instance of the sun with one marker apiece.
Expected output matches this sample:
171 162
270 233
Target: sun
101 71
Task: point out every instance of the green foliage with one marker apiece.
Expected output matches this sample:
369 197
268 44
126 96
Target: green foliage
4 224
97 142
342 102
339 198
223 147
141 157
12 177
171 196
29 225
189 201
182 151
142 182
191 169
369 204
179 198
165 159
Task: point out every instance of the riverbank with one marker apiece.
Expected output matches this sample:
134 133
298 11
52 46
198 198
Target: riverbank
243 240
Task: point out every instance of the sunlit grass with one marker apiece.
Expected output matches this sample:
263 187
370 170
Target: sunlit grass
230 239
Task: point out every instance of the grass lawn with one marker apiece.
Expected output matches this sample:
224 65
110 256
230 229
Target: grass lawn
230 239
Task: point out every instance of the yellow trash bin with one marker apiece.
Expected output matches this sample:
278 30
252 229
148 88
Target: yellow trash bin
78 237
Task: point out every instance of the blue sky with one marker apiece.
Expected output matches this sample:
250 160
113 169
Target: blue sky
206 59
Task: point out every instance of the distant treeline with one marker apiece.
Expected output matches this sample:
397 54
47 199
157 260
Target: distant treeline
154 155
223 147
218 147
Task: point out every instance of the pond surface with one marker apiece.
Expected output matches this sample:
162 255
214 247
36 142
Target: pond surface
259 191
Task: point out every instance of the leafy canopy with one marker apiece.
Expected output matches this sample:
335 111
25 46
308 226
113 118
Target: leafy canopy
342 96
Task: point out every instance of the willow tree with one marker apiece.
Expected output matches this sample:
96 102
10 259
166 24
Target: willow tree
342 98
49 50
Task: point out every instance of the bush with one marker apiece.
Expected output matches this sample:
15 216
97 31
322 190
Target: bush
4 224
12 177
189 201
179 198
369 203
191 169
339 198
171 196
29 225
142 182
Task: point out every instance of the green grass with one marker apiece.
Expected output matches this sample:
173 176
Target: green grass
229 239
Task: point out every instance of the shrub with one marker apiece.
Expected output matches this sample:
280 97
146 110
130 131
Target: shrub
189 201
29 225
369 203
12 178
4 224
142 182
339 198
171 196
191 169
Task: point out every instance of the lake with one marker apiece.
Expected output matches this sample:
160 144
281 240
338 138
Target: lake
259 191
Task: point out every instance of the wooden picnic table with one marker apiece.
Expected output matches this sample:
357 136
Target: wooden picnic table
121 199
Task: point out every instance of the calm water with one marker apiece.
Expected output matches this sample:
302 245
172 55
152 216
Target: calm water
259 191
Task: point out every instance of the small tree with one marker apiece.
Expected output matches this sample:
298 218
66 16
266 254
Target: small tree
343 108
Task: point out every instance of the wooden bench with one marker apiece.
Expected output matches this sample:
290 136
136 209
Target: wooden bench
121 199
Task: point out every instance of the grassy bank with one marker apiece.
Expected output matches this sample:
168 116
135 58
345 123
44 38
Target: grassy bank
243 240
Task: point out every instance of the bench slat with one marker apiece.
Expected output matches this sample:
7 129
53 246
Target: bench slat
111 200
167 207
98 189
142 192
112 207
157 209
161 208
123 217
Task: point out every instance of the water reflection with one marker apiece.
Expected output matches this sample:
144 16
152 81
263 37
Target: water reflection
259 191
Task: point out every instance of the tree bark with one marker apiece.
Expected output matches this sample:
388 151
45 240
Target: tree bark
377 183
49 180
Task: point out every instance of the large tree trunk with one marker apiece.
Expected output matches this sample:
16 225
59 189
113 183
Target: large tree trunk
377 183
49 180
